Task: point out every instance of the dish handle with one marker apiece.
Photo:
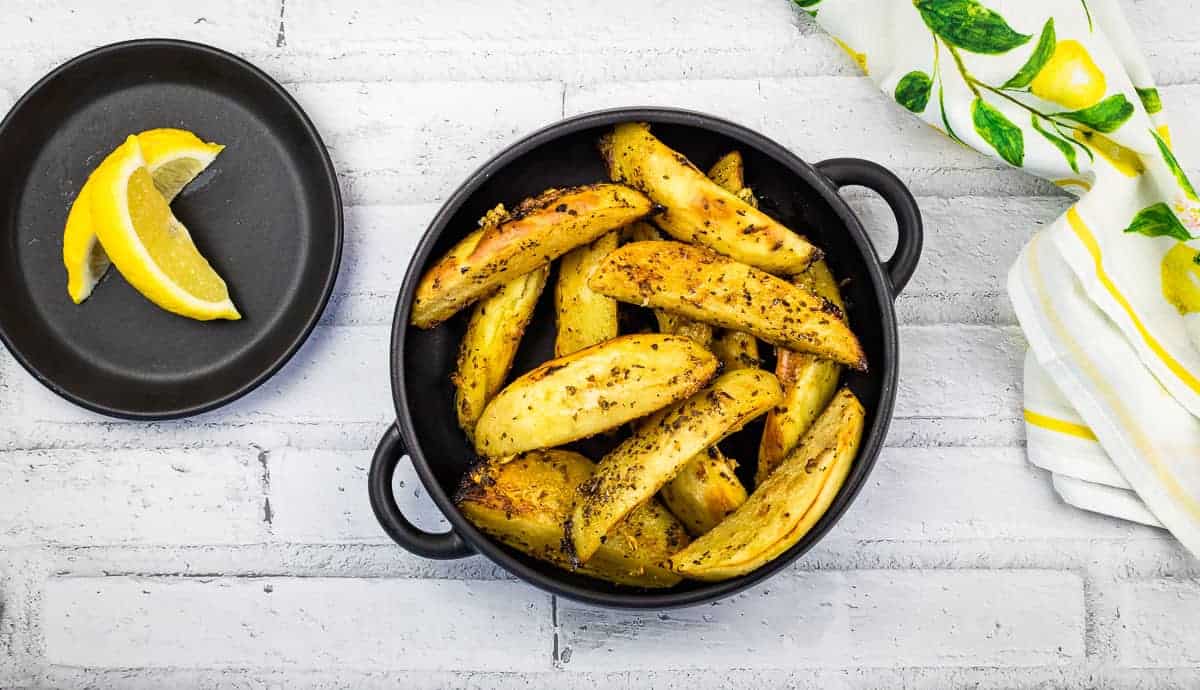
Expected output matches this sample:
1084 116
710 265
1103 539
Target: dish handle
845 172
444 546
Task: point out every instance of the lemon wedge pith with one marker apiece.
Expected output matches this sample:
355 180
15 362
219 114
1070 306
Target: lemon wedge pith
151 248
174 158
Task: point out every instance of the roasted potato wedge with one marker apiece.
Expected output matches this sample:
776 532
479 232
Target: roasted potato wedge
704 491
592 390
524 503
584 318
538 231
703 285
490 343
729 172
787 505
635 470
736 350
809 383
668 322
699 210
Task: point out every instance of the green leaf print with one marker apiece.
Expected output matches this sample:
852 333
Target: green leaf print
1150 99
1176 169
1039 58
1068 150
1106 116
913 91
999 131
945 118
970 26
807 3
1158 220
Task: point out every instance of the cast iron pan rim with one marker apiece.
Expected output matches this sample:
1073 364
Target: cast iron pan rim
327 167
647 599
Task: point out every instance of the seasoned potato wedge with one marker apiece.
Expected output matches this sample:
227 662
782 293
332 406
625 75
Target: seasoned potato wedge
538 231
674 324
635 470
736 350
699 210
787 505
584 317
490 343
524 503
592 390
703 285
729 172
704 491
809 383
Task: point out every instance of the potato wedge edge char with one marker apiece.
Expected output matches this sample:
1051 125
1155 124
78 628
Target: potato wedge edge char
703 285
524 503
787 505
537 231
490 344
698 209
591 391
636 469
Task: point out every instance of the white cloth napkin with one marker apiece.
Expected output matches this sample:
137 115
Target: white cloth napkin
1108 295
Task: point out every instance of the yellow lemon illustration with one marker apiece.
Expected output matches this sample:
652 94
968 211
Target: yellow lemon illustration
860 58
1070 77
1165 132
1126 161
1181 279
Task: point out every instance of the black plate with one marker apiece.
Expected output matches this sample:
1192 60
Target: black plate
267 215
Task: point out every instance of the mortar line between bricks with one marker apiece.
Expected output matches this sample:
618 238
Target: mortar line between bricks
281 37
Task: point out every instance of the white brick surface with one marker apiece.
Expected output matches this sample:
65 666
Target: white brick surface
238 549
859 618
131 497
302 622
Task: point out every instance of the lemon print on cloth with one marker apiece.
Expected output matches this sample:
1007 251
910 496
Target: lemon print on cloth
1070 77
174 157
147 244
1181 279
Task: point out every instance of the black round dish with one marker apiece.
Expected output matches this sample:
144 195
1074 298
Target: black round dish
267 214
800 195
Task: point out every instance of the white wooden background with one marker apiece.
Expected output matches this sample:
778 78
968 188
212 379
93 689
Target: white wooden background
238 549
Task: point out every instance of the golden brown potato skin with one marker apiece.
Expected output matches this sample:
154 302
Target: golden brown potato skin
699 210
703 285
592 390
584 317
524 503
635 470
809 382
538 231
787 505
736 350
729 172
704 491
490 343
674 324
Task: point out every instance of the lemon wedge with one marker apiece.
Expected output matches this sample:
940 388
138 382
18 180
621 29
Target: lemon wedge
174 158
147 244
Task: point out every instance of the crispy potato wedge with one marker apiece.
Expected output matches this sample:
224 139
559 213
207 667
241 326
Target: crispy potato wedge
584 318
736 350
699 210
668 322
490 343
703 285
704 491
787 505
592 390
635 470
538 231
809 383
729 172
524 503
